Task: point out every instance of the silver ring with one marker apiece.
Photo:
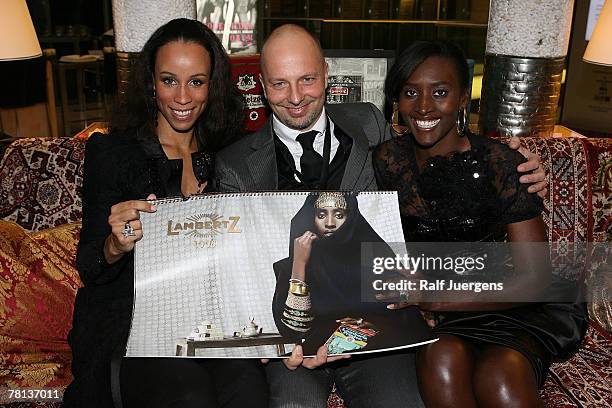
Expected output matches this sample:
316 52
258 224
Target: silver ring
128 230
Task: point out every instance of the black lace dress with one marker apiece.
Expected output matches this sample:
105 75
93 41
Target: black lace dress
472 196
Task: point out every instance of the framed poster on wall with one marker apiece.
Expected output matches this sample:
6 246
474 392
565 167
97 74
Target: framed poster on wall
233 21
358 75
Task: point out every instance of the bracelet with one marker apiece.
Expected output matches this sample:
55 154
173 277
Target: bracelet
295 325
297 287
300 329
290 316
295 312
298 302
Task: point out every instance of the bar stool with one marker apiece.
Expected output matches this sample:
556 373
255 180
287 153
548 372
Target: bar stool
89 79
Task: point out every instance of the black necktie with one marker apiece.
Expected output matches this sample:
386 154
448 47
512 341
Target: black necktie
311 162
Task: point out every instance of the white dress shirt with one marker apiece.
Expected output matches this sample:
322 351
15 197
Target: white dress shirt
289 137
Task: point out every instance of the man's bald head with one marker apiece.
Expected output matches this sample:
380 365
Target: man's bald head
289 36
294 76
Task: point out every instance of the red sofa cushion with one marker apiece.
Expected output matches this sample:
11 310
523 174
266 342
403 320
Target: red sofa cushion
38 283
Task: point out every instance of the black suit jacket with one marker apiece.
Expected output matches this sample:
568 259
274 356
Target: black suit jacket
250 163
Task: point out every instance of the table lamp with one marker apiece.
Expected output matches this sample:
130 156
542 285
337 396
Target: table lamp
18 40
599 50
17 32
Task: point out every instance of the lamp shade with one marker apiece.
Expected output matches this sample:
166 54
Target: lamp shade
17 35
599 50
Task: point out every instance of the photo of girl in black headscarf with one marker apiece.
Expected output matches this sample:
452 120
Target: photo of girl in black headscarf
323 281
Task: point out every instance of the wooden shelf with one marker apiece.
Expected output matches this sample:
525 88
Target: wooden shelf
448 23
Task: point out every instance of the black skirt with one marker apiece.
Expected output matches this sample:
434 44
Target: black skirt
541 332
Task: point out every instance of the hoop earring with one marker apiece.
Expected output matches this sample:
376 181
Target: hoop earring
395 126
462 122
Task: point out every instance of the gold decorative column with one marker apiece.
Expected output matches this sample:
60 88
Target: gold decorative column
135 21
125 61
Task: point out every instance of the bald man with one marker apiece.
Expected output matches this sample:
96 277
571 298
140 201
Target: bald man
294 76
308 145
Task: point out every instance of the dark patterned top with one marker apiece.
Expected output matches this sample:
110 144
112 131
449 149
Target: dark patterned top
467 196
471 196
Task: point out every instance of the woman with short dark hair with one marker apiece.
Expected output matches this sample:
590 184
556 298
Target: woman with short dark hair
455 186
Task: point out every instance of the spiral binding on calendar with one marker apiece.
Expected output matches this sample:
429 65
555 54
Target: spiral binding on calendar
179 199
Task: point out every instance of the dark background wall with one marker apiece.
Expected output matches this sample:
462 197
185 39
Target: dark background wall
383 24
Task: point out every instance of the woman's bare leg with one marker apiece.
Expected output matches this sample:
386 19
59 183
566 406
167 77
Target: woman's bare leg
444 370
503 377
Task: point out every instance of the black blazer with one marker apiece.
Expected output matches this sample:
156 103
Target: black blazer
117 168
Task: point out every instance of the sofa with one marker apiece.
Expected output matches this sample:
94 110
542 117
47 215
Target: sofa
40 210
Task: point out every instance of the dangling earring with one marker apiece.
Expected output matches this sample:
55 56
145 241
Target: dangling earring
154 96
395 126
462 122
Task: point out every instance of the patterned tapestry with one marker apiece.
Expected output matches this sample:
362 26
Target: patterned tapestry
40 181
